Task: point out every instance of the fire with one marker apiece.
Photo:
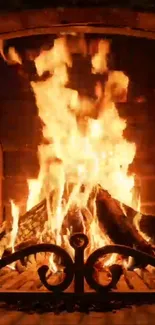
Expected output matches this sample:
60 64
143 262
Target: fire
15 217
99 60
34 186
82 151
85 151
137 220
12 56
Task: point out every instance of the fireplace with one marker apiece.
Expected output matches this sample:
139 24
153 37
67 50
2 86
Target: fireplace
77 184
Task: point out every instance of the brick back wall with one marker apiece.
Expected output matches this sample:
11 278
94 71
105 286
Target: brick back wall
20 134
21 128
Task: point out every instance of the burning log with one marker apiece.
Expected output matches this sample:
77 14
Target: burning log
147 225
119 225
28 285
8 277
19 280
116 220
32 222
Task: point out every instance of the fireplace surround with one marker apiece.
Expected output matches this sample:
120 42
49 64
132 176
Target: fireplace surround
120 25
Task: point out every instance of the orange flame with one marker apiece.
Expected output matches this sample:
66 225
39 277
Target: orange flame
15 216
82 151
88 152
34 192
99 60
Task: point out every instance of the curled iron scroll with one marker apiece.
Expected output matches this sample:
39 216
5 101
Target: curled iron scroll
116 270
42 271
78 269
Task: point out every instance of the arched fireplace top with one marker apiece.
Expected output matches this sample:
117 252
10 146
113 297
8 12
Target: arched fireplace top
79 20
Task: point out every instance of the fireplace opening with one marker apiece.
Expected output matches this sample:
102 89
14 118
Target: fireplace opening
76 128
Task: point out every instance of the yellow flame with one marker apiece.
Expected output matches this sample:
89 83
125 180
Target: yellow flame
82 151
13 56
15 216
34 186
99 60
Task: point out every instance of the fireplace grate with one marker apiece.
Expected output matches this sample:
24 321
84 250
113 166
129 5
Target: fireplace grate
23 287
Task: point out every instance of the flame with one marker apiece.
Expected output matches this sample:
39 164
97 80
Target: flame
54 58
136 221
99 60
81 152
15 216
34 186
12 56
52 264
2 49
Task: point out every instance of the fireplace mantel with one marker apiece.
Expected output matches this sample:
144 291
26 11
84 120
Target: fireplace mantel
81 20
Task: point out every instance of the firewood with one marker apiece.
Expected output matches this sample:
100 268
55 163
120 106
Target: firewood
116 220
148 278
146 222
54 279
147 226
121 284
37 283
20 267
7 277
32 222
103 277
4 242
31 259
20 246
17 281
26 243
136 282
2 230
117 225
27 285
2 249
40 258
150 269
127 279
5 270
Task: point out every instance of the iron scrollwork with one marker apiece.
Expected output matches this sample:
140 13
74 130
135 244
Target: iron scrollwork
77 269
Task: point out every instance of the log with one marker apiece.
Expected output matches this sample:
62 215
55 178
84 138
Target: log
116 220
148 279
8 277
120 229
5 270
17 281
27 285
54 279
32 222
147 225
136 282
